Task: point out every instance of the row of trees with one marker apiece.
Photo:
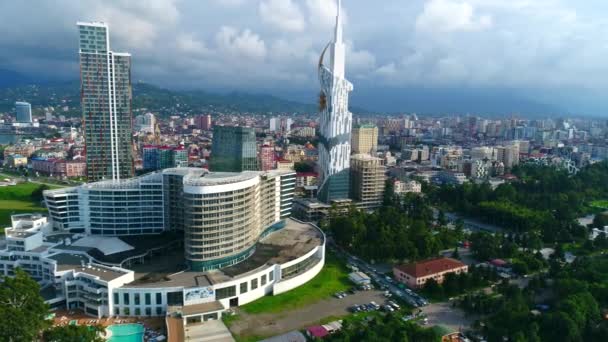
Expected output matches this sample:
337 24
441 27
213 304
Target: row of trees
455 284
572 313
545 200
521 249
400 230
388 328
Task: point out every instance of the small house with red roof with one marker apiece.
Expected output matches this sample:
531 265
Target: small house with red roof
415 275
316 331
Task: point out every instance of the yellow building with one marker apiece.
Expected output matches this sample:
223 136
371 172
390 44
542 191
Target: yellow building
16 160
364 139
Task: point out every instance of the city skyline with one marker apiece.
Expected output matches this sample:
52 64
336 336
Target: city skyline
482 50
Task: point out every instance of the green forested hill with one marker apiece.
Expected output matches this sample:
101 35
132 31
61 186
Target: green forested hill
153 98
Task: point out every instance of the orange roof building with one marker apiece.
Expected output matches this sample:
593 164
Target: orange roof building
415 275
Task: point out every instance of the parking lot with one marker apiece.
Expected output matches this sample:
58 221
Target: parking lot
444 314
274 324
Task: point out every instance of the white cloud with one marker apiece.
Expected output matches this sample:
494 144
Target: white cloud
450 16
240 43
187 43
322 13
282 14
359 60
230 3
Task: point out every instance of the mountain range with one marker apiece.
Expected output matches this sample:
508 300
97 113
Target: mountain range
488 102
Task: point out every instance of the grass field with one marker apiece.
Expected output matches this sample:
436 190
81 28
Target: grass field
602 204
21 191
17 199
332 278
11 207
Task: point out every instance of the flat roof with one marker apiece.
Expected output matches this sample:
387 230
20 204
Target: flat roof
202 308
104 273
66 261
19 233
289 243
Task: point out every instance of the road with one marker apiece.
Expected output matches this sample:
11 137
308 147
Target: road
474 225
408 296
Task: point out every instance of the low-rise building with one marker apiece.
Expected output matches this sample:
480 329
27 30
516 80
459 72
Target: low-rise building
415 275
401 187
15 160
359 278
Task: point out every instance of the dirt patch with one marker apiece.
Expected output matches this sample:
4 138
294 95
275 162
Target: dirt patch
279 323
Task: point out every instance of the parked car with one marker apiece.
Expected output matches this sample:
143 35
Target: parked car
394 305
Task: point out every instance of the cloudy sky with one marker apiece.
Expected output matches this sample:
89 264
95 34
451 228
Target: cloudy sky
553 51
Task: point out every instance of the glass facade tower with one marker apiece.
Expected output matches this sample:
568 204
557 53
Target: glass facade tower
106 105
234 149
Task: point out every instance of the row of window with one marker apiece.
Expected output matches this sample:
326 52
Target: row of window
147 298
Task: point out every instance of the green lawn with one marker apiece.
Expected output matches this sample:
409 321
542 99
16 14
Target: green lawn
17 199
332 278
602 204
11 207
21 191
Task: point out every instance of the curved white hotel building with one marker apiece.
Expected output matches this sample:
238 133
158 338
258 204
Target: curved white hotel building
183 241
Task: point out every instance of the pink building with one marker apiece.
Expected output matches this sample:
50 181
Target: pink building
203 122
60 167
267 158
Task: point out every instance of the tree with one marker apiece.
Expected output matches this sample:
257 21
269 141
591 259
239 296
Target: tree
22 309
433 288
37 194
441 220
455 253
74 333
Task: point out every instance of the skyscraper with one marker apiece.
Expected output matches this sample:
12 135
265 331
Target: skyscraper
335 121
233 149
24 112
105 78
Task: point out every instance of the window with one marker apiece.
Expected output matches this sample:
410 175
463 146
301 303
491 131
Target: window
263 280
148 311
136 299
159 311
254 284
115 298
225 292
125 299
243 287
159 298
271 275
137 312
148 298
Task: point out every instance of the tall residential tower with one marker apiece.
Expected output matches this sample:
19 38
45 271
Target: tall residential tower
24 112
106 104
335 121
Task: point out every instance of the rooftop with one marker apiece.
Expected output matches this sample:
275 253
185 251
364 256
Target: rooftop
289 243
188 310
430 267
66 262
